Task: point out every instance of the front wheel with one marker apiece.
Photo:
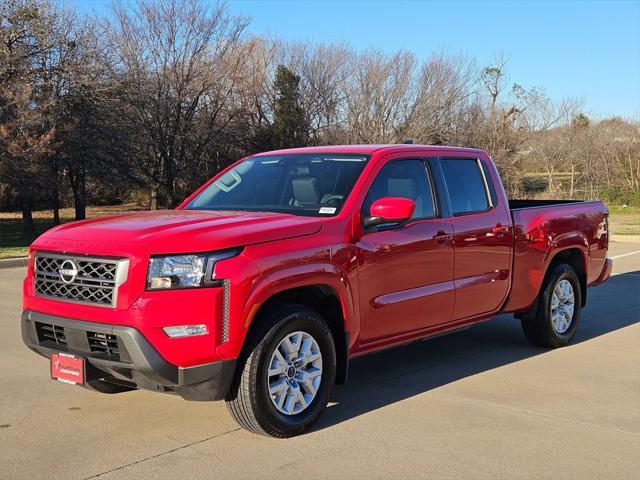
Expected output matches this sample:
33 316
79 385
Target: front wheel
285 382
558 310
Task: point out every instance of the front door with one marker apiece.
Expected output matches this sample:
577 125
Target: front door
405 272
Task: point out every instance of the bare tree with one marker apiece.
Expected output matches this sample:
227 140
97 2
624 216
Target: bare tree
324 71
177 60
379 96
171 91
39 45
255 87
444 89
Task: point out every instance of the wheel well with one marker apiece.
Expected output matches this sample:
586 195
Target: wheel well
575 258
325 301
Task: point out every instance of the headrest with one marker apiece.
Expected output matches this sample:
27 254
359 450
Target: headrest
401 187
305 191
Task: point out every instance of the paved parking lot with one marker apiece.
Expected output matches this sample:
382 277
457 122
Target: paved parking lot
477 404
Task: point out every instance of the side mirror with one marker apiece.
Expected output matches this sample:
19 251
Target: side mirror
390 210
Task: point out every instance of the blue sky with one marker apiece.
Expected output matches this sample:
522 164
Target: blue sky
587 49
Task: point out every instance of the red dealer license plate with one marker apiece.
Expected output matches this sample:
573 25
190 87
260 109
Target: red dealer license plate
67 368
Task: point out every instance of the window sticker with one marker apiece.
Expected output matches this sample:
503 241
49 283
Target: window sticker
328 210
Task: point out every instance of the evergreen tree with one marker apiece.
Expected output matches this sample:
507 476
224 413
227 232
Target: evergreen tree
290 125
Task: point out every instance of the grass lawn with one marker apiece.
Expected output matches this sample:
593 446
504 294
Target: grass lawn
623 221
12 252
11 243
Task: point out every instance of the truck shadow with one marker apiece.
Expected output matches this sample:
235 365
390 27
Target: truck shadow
391 376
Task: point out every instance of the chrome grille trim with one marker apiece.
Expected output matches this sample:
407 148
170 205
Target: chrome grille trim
96 282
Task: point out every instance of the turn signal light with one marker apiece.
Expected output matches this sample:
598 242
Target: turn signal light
185 330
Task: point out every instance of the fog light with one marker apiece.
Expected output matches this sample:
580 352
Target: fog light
185 330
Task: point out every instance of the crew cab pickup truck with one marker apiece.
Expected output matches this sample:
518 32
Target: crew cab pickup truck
261 286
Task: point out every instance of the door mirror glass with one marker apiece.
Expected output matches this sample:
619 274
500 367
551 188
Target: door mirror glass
390 210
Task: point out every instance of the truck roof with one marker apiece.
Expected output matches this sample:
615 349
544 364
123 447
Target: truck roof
370 149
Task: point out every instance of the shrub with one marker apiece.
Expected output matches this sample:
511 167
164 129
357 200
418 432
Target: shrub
621 196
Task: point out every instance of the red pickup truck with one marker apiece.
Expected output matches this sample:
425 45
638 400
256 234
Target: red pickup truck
262 285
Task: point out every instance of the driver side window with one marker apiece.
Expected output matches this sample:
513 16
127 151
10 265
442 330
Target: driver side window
406 179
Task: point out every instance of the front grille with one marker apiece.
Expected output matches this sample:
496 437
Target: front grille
78 279
104 343
51 333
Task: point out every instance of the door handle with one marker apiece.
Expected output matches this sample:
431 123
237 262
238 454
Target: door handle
499 230
441 237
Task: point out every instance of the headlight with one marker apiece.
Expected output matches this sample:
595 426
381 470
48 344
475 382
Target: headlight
184 271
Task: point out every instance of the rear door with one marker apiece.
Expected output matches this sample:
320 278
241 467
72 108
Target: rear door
483 241
405 272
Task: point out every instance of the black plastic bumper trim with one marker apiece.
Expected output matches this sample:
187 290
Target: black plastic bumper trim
188 381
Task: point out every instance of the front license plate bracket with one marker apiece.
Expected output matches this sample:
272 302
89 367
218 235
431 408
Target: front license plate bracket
67 368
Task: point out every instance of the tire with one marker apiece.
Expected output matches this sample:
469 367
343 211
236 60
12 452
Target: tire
540 328
102 386
249 401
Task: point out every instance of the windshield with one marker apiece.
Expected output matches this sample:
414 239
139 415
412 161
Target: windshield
302 184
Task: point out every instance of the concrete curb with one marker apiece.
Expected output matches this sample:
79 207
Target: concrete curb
625 238
13 263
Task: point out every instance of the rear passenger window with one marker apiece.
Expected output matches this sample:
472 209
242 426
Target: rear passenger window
407 179
467 190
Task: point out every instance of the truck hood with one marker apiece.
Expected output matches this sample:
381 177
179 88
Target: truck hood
177 231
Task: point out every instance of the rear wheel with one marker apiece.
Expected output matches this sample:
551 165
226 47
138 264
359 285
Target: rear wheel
558 310
287 377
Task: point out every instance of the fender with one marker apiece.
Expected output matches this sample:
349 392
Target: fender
568 241
534 263
307 274
573 241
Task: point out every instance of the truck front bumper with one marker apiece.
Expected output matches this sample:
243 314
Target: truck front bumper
123 353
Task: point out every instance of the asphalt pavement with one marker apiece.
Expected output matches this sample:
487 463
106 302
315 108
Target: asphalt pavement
481 403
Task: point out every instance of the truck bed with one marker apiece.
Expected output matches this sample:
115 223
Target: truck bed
545 228
515 204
